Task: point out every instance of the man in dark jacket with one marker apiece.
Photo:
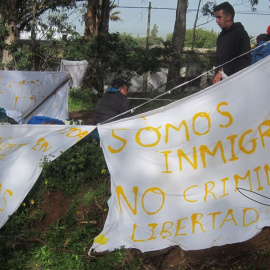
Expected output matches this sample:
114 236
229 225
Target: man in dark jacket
114 102
232 42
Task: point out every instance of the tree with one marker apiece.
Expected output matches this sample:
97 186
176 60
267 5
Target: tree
18 15
207 9
195 25
97 17
178 43
154 39
203 38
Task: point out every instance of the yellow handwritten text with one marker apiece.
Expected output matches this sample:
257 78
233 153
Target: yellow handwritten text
196 223
74 132
3 197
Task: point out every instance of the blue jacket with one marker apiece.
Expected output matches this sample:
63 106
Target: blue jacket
261 52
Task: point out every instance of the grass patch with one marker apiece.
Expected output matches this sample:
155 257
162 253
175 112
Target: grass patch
82 99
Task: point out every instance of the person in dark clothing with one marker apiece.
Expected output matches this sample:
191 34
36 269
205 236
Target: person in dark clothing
232 42
114 102
114 105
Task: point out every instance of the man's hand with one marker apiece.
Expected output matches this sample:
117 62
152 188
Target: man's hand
217 77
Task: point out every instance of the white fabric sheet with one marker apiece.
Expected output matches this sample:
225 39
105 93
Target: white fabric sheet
35 93
175 171
22 150
76 69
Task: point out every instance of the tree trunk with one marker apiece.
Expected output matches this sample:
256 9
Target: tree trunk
178 40
195 26
13 35
91 19
1 37
104 17
96 24
97 18
33 36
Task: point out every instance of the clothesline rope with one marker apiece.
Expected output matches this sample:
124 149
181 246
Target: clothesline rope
151 99
72 65
183 84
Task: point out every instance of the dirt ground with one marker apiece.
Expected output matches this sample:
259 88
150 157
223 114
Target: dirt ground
250 255
87 116
253 254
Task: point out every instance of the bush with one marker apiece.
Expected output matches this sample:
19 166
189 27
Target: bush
81 173
80 164
82 99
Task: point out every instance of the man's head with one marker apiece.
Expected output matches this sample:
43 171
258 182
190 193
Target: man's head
121 84
262 37
224 14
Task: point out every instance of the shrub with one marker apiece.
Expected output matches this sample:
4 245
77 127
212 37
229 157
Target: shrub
80 164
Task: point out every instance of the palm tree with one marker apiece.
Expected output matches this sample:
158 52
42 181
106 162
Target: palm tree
97 17
114 15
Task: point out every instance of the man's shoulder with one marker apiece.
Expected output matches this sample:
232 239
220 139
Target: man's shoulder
108 97
119 96
238 28
115 97
112 94
235 32
264 47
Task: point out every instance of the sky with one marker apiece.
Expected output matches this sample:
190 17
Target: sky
134 14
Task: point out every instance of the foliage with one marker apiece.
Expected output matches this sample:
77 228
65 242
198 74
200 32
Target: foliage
203 38
81 163
57 24
154 39
3 33
80 173
121 52
21 12
65 243
82 99
207 9
22 58
18 16
108 55
115 54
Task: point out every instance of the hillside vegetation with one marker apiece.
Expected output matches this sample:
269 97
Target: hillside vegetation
67 207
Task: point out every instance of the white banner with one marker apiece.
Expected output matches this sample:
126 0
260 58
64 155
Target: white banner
175 171
22 149
35 93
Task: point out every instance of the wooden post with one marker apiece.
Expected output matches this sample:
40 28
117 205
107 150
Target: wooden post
145 75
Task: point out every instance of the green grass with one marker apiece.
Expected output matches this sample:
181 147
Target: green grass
82 99
85 99
81 174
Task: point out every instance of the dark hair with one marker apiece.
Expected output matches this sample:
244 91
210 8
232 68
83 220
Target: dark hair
226 7
262 37
118 82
